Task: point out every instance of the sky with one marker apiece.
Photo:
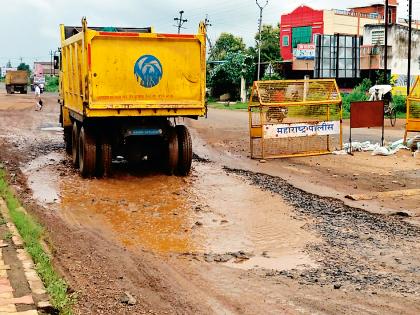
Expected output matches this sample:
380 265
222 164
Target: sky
29 29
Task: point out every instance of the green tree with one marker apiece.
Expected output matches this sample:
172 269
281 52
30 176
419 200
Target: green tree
270 43
226 77
227 43
8 64
24 66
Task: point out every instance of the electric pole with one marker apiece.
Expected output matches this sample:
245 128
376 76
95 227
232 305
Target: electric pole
386 42
207 24
180 21
259 31
410 20
52 62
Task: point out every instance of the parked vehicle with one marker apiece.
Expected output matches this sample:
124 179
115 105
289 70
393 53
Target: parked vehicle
383 93
16 81
122 91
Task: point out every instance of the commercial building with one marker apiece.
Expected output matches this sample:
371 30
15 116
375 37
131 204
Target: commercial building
351 43
372 52
303 24
42 68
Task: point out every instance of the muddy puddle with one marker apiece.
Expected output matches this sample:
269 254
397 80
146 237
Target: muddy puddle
207 213
42 179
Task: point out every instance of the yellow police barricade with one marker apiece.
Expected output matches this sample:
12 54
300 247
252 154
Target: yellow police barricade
413 110
295 118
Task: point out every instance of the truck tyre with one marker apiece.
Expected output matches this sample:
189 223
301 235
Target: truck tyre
75 145
24 90
104 159
173 150
184 150
8 90
87 153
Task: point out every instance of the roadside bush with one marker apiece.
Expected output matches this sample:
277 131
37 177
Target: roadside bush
354 96
399 102
358 94
51 84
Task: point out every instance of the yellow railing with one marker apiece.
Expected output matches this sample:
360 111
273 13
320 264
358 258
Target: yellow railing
294 118
413 110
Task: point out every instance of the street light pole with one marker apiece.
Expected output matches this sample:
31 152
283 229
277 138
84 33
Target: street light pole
180 21
259 31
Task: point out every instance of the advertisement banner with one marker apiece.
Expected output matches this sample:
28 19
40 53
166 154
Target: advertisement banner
304 52
323 128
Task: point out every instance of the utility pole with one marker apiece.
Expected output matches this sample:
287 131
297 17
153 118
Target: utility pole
207 24
259 31
410 21
386 42
52 62
180 21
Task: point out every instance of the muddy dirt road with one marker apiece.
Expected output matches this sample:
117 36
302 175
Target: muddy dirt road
233 238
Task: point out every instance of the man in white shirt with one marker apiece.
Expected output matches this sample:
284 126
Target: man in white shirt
38 98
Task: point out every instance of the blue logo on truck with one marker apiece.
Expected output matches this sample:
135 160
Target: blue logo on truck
148 71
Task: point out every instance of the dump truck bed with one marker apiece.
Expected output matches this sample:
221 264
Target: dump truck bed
132 72
16 77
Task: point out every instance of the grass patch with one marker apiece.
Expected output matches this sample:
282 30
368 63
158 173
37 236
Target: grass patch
237 106
31 232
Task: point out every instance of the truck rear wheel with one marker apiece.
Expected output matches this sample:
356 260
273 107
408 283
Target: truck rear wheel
173 150
87 153
104 158
75 145
184 150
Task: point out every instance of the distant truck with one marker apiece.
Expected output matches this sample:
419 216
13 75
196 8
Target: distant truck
123 92
16 81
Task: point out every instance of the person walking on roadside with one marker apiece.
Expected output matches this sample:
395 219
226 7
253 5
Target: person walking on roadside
38 98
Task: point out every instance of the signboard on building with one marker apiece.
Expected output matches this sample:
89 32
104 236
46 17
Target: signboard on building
304 52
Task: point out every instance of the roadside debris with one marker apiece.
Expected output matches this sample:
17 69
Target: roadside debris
376 148
128 299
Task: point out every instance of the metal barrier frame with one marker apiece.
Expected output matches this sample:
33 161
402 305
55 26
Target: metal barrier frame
257 131
412 124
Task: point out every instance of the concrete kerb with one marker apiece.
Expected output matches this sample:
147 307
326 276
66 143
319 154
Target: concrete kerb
31 276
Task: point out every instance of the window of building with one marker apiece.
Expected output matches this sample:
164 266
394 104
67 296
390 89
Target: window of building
314 37
378 37
337 56
301 35
286 40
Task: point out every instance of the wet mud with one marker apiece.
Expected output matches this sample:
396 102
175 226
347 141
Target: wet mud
359 249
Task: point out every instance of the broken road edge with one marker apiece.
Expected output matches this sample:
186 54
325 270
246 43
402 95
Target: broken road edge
30 234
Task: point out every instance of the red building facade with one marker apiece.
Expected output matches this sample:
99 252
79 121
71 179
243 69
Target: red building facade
299 27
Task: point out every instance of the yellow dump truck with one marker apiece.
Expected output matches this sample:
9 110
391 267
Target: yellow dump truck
16 81
123 92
